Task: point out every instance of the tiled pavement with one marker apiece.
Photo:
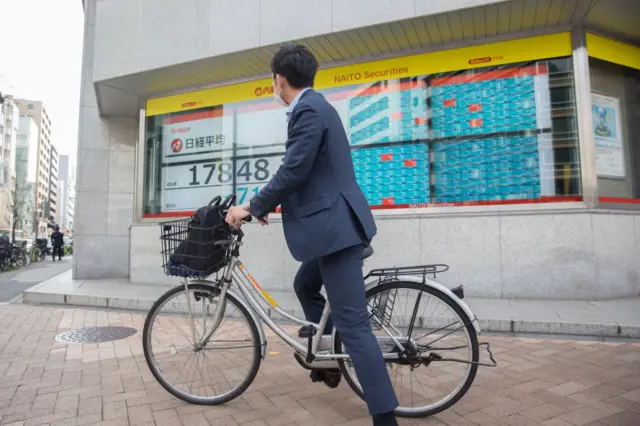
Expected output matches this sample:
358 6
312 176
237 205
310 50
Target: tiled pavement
539 382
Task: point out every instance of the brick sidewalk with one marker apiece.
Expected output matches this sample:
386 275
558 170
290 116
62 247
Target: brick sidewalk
539 382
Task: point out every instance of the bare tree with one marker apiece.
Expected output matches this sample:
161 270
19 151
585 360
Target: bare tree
19 207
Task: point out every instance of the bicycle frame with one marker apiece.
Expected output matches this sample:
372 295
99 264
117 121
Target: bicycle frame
237 273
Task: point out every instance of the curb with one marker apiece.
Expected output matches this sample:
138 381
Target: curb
487 325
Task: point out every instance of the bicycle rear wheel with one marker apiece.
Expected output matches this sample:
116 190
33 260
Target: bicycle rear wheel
425 321
212 374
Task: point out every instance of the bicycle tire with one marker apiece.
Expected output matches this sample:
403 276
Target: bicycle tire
146 338
346 372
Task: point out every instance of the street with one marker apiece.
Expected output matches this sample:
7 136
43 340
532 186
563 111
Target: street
542 381
13 283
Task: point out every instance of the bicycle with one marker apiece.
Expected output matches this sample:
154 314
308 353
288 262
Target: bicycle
195 341
42 250
4 258
18 255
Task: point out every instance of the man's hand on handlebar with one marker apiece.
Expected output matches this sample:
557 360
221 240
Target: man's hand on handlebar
236 215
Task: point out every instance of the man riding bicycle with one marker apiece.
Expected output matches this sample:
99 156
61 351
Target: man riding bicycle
327 221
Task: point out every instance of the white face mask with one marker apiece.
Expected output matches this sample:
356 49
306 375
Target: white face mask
276 94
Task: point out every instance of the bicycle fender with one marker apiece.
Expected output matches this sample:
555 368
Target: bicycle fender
434 284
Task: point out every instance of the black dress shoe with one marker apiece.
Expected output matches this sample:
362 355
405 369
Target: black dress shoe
386 419
331 378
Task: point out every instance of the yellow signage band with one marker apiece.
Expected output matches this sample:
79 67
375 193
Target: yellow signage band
500 53
613 51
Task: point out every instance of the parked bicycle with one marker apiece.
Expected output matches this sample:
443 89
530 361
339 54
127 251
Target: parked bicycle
42 248
5 253
13 254
427 334
19 255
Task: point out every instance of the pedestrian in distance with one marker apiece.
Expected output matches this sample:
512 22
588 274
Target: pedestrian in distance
57 242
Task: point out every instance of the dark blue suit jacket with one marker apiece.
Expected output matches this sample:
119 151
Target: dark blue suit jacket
323 207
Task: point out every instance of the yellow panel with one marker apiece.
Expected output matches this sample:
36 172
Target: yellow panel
506 52
613 51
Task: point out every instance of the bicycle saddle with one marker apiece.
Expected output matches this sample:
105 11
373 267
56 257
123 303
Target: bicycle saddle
367 252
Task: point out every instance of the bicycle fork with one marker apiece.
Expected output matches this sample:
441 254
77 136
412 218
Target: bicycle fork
215 321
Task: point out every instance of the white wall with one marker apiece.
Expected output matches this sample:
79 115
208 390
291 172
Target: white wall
139 35
566 254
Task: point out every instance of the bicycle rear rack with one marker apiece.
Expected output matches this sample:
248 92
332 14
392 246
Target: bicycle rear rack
424 271
420 270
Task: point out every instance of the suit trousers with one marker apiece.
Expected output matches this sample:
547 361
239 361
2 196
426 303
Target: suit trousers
341 274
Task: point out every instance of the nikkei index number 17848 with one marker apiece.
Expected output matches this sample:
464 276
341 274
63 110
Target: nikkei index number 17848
255 170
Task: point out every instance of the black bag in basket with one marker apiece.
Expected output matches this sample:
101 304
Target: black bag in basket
197 254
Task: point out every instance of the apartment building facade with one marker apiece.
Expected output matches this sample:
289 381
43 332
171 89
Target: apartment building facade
44 207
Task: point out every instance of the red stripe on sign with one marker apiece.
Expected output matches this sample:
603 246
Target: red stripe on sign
619 200
391 87
475 107
542 200
168 214
193 116
410 162
386 157
491 75
449 103
477 122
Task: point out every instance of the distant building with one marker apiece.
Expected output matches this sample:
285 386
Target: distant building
28 168
44 208
67 193
54 205
9 121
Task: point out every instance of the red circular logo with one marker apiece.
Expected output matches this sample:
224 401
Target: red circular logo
176 145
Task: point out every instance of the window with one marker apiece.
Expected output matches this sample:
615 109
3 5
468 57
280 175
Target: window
490 135
616 120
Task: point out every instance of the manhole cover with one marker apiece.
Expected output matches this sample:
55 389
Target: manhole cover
95 334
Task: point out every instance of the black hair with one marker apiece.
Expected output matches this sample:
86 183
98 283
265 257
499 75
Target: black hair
295 63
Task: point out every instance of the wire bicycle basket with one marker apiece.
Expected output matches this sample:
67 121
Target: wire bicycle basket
192 251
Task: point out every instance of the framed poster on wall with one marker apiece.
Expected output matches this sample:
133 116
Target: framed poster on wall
607 133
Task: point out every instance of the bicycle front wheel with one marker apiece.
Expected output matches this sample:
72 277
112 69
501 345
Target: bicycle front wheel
439 362
198 372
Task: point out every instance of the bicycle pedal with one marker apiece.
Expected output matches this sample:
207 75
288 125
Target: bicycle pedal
307 332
